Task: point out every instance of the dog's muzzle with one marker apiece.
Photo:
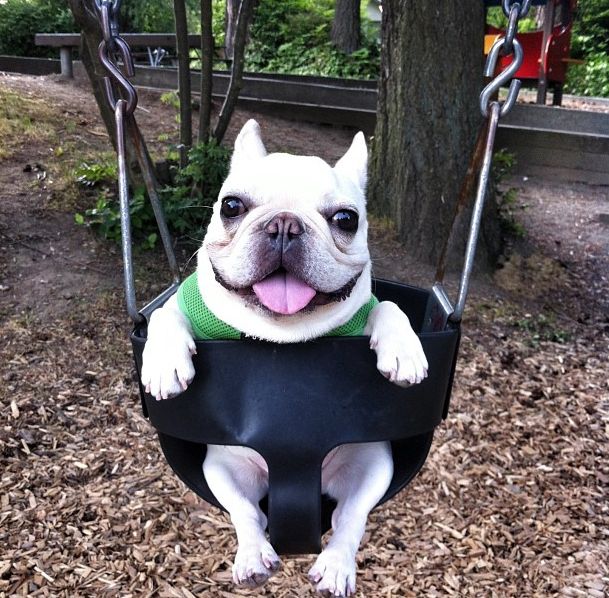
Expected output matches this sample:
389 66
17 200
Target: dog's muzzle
281 285
283 230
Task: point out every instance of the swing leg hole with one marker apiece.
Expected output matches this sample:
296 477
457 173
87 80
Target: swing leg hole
239 480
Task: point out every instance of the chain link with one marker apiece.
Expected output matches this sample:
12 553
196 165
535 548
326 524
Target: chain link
511 29
523 7
505 46
115 55
109 11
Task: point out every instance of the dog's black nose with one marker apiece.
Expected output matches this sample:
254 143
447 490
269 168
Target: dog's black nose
284 228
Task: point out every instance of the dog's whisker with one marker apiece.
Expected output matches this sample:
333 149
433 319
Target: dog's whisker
189 260
196 207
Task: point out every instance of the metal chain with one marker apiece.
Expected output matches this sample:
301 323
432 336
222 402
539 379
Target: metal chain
492 109
123 194
116 57
109 17
111 49
505 46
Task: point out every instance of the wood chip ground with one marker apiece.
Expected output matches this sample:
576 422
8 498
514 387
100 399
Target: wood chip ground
512 501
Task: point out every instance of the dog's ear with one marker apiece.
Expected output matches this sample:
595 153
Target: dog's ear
354 164
248 145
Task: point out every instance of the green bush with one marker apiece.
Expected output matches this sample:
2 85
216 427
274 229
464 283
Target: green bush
590 42
21 19
97 173
187 203
189 200
591 78
507 199
140 16
105 217
591 29
496 17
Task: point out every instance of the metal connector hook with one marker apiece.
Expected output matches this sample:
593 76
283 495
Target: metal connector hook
128 91
502 78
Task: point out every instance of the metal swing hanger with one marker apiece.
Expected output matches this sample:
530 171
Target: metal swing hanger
278 403
115 55
493 110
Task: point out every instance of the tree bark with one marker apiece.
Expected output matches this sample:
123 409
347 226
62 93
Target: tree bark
85 17
184 92
231 13
346 25
207 61
246 11
427 121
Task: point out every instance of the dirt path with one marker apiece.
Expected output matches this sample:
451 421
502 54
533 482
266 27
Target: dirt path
511 502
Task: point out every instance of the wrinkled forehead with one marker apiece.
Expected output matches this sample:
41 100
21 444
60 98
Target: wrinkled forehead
286 177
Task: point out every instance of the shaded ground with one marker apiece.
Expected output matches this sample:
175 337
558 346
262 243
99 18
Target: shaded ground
511 502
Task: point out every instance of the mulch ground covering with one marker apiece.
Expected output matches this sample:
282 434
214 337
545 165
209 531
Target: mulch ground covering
511 502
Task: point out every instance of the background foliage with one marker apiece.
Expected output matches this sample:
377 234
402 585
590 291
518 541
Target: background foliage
293 36
590 42
21 19
187 202
143 16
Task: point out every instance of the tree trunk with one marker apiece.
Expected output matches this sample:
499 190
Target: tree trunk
230 25
246 11
346 25
207 61
184 93
427 122
85 17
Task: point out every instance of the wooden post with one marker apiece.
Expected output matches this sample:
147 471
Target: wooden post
65 59
548 25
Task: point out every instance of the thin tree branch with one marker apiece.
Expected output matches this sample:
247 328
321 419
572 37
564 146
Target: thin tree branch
207 61
246 11
179 9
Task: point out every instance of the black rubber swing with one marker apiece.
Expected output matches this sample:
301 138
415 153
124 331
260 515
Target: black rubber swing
294 403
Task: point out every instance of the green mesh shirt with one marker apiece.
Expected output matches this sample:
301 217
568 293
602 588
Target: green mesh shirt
206 326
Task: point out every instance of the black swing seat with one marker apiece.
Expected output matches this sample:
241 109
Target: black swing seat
294 403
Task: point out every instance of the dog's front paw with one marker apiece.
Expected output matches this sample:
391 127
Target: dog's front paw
400 358
399 353
333 574
167 367
254 564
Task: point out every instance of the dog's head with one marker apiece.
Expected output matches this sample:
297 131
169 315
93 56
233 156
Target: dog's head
287 242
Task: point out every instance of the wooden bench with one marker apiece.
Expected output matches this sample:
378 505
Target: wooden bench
67 41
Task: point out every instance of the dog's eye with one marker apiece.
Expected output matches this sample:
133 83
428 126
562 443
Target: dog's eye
232 207
346 220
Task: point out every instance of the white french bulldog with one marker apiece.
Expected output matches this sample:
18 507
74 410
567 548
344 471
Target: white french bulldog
285 259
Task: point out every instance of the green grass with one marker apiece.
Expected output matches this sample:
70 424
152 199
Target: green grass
22 119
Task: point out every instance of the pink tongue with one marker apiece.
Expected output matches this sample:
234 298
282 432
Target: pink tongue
283 293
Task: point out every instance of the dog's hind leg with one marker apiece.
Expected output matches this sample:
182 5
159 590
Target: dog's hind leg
356 476
238 478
